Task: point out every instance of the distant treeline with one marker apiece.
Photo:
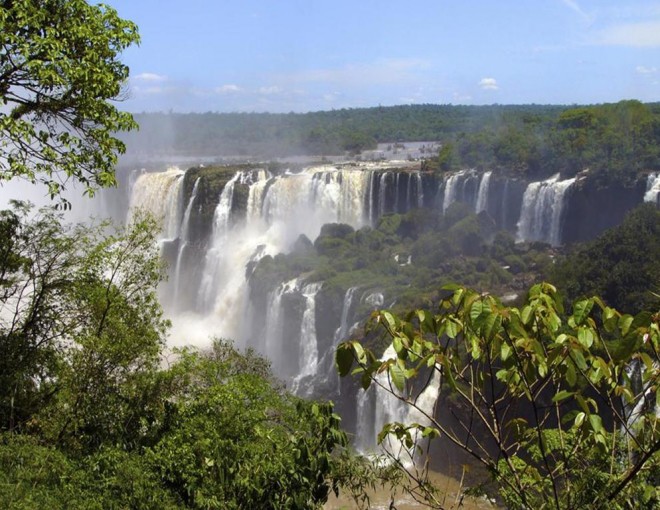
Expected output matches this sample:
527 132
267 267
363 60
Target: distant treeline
534 140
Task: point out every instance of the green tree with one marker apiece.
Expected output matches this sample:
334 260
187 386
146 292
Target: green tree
80 316
560 408
88 414
236 439
622 265
59 71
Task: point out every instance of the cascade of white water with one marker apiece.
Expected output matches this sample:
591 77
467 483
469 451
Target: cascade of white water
541 213
397 178
273 340
389 408
370 197
364 440
409 193
420 190
382 403
482 194
216 255
342 330
382 190
451 189
160 194
309 352
308 348
652 188
184 239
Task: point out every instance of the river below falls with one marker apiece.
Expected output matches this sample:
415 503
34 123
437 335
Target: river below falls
381 498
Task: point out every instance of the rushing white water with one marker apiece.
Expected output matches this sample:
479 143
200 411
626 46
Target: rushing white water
482 194
342 330
451 189
161 194
541 212
382 403
274 338
308 347
652 188
184 239
420 190
279 209
309 352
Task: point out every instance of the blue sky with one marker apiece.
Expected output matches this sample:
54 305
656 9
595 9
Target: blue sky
306 55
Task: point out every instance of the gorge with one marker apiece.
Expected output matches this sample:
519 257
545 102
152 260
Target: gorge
220 224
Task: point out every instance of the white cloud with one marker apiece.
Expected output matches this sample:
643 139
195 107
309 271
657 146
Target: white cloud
644 34
229 88
488 84
150 77
646 70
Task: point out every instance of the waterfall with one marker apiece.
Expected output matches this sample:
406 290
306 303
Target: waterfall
482 194
184 239
451 190
273 347
420 190
371 191
308 347
382 190
342 330
653 189
215 256
458 188
309 352
541 213
382 403
160 194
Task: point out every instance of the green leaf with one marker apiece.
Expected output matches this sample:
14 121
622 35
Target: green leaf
596 423
360 354
391 320
562 395
505 351
396 343
430 432
491 325
585 336
571 376
397 376
451 328
476 310
581 310
624 323
344 358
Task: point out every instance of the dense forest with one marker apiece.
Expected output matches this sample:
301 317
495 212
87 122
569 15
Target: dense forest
533 140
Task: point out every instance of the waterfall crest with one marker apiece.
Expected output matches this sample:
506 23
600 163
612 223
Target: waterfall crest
161 194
